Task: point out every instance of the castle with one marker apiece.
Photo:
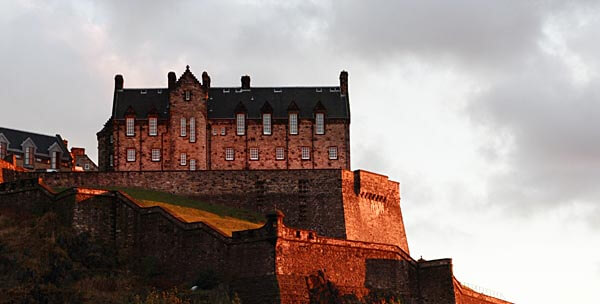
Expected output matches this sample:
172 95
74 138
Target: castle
192 126
332 227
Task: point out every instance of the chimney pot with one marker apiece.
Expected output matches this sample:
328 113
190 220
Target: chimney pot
119 82
245 82
171 79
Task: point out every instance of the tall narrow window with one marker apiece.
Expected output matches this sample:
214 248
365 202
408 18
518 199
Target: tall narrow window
183 159
267 124
155 155
110 139
223 131
188 95
279 153
305 153
54 160
130 124
333 153
152 126
320 122
293 123
183 127
110 160
229 154
192 165
241 124
3 148
253 153
28 156
130 155
192 130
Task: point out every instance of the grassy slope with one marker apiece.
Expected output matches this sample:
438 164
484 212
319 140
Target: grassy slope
188 209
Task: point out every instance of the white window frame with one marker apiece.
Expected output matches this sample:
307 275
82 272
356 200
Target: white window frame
192 129
266 120
192 165
223 131
183 127
110 160
333 153
54 160
280 153
152 126
229 154
305 153
187 95
131 154
240 123
293 119
29 157
155 154
183 159
214 131
320 123
130 126
254 154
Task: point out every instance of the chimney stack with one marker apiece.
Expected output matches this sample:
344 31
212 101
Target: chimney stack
205 81
344 83
171 79
119 82
245 82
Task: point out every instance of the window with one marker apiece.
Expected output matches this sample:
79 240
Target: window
192 130
223 131
305 153
229 154
155 155
320 122
214 131
152 126
130 126
110 139
183 127
293 123
192 165
183 159
28 156
188 95
3 148
267 124
253 153
110 160
241 124
86 167
54 160
279 153
333 153
130 155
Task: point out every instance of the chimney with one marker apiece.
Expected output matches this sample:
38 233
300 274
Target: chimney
171 79
205 81
344 83
118 82
66 142
245 82
77 151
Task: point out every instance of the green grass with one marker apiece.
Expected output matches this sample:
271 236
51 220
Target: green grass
179 200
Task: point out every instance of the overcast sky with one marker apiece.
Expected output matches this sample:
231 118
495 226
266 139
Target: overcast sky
486 112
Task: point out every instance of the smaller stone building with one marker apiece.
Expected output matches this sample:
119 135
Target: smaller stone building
81 161
190 125
34 151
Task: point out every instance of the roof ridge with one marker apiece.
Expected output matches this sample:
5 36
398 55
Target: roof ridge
28 132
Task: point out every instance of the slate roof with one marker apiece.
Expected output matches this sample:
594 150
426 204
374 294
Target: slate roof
42 142
223 102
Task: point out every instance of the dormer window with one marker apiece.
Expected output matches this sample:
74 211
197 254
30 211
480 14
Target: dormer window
54 160
240 124
187 95
267 123
130 126
29 155
320 123
3 149
153 121
293 118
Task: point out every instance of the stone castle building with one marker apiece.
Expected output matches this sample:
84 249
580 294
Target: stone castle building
190 125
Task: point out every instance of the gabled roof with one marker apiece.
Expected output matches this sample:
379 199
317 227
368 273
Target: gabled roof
142 101
42 142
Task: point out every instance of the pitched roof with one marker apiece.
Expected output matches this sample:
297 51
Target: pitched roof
42 142
142 101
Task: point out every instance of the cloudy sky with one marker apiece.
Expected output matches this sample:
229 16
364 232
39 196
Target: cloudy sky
485 111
